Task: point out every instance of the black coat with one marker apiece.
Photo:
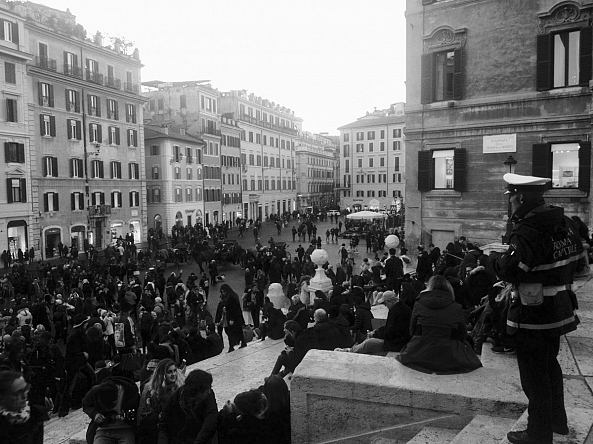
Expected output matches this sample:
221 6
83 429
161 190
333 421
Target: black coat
176 425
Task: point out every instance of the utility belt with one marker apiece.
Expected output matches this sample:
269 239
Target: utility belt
532 294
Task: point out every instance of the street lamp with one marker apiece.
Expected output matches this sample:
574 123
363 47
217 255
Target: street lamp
509 163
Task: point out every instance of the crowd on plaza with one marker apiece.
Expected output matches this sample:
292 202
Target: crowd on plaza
83 334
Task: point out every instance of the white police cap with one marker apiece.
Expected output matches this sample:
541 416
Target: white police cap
518 182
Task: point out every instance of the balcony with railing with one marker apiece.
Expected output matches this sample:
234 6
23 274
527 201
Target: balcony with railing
131 87
282 129
189 159
112 82
45 63
94 76
72 70
99 210
210 130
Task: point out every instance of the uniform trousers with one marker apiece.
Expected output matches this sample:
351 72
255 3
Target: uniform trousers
541 379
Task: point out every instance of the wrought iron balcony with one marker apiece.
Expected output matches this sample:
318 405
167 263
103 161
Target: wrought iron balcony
210 130
94 76
46 63
131 87
99 210
72 70
112 82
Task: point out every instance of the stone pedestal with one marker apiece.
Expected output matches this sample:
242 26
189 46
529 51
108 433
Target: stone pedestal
320 281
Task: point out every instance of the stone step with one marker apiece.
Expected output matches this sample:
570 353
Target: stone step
484 429
433 435
500 361
580 422
382 440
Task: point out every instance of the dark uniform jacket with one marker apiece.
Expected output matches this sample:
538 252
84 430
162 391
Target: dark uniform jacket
545 247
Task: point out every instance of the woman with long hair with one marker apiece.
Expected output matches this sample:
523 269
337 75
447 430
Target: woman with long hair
438 332
234 317
278 412
165 379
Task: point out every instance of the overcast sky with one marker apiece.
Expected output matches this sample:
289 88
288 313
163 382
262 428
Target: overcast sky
330 61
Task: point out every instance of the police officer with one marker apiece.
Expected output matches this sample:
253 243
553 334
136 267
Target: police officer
544 248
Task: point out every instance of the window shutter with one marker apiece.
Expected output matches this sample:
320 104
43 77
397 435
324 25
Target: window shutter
544 65
42 125
52 126
77 102
101 171
93 199
56 202
458 74
9 189
2 36
7 152
21 152
130 170
113 198
44 166
120 199
99 134
585 166
424 171
426 79
73 201
586 56
72 167
23 190
81 201
40 93
51 96
117 136
69 128
67 101
98 107
15 33
111 164
135 134
78 130
541 165
88 100
54 166
460 169
131 199
102 198
45 202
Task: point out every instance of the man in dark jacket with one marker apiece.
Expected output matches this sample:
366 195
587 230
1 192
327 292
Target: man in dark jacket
328 335
190 415
298 312
393 335
76 363
112 407
544 249
424 266
394 270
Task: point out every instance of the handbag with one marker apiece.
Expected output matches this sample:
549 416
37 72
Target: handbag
248 333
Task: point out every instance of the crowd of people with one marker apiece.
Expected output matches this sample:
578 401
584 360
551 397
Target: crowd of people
70 334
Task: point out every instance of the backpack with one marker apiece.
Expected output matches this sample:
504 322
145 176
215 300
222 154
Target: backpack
124 334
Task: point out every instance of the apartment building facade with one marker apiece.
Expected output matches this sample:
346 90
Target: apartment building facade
269 134
193 107
315 169
17 224
230 160
175 179
470 118
84 121
372 165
